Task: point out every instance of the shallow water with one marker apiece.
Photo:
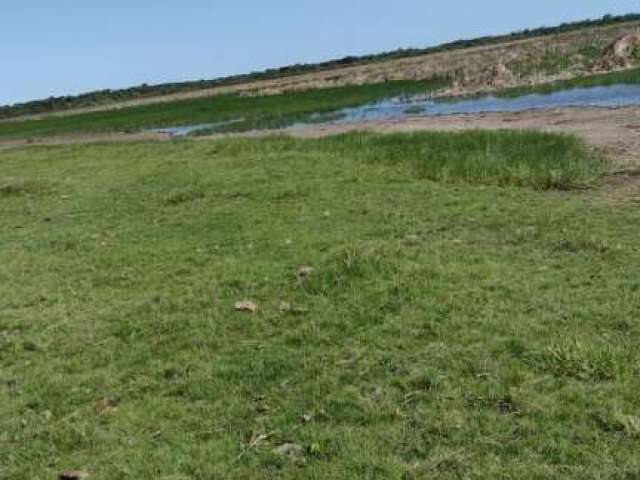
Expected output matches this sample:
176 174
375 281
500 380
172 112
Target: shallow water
185 130
422 106
609 96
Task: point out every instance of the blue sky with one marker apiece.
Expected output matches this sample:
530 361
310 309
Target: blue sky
71 46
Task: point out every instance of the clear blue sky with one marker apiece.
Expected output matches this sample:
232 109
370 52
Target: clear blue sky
61 47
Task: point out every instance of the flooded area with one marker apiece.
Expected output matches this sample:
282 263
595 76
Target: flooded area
609 96
423 106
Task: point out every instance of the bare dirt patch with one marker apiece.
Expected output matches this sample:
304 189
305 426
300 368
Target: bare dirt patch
622 187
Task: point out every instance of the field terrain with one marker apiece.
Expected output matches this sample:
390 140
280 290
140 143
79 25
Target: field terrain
434 297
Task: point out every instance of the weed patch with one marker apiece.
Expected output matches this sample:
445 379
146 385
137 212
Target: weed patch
585 362
184 196
24 187
532 159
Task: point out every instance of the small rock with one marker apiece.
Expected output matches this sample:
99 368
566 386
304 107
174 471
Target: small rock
73 475
107 405
305 271
284 306
292 451
287 307
412 239
507 406
625 46
246 306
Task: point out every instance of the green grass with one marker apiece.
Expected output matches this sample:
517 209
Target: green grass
272 111
624 77
451 329
519 158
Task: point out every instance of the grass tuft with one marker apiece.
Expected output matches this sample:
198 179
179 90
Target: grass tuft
624 425
24 187
184 196
520 158
585 362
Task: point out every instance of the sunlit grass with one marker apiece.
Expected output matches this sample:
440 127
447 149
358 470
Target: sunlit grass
467 327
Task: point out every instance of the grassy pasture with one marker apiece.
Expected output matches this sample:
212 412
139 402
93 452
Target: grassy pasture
460 321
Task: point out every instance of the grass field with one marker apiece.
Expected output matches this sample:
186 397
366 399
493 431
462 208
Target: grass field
256 112
460 322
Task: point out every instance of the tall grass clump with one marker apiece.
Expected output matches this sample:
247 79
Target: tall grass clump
520 158
585 362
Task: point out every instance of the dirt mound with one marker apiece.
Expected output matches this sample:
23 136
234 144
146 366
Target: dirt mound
620 53
502 76
626 46
496 76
